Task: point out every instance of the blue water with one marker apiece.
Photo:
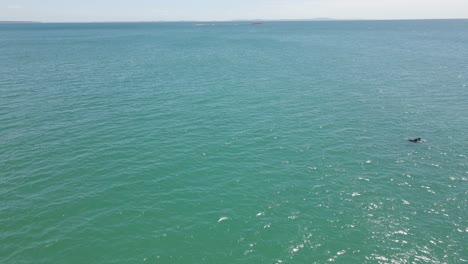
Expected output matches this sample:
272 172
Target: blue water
284 142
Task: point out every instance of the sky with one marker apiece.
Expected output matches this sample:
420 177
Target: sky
213 10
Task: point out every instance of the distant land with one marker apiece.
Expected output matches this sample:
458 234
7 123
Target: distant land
189 21
18 22
232 20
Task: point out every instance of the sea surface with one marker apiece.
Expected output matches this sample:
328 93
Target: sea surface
282 142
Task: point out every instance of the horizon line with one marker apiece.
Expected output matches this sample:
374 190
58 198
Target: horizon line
324 19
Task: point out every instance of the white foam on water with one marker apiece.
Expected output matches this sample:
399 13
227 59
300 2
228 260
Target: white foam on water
223 219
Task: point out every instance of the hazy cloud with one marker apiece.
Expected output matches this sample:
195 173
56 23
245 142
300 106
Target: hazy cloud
169 10
14 7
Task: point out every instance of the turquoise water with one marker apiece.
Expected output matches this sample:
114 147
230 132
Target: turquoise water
232 143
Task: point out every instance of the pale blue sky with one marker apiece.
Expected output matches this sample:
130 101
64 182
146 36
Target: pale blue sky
156 10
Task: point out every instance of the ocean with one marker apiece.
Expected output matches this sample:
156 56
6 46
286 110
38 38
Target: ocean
229 142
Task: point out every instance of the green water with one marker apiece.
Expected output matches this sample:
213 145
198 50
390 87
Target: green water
233 143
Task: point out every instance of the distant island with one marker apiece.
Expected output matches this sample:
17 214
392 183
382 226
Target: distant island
18 22
252 21
212 22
